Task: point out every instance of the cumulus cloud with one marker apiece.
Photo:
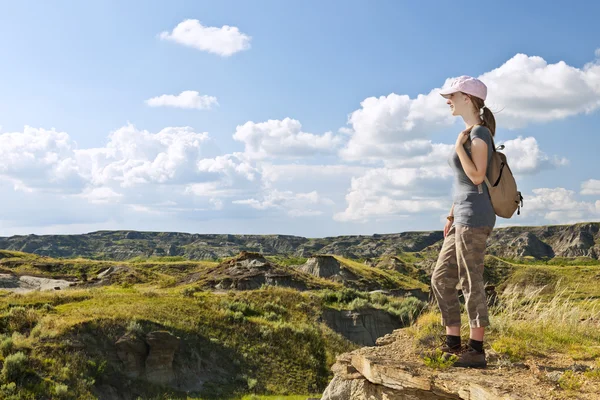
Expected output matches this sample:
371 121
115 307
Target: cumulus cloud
171 171
39 159
525 90
189 99
283 138
385 192
132 157
559 205
525 157
591 187
390 126
224 41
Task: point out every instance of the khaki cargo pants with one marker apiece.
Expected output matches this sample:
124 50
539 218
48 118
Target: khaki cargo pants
461 261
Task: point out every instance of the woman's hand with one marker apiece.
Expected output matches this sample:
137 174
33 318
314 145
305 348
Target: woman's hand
447 227
462 138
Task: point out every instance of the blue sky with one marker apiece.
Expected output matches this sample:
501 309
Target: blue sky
312 126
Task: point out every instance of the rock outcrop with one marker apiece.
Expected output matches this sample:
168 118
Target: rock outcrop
393 371
132 352
26 283
150 358
159 363
362 326
249 271
327 266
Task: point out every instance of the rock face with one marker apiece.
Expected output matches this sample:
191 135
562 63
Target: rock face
159 364
527 244
151 358
25 283
324 266
132 352
250 271
578 240
327 266
393 371
363 326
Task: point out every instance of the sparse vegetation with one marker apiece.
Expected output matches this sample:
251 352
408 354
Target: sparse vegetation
269 339
436 359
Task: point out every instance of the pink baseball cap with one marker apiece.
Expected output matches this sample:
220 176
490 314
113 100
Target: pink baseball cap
466 84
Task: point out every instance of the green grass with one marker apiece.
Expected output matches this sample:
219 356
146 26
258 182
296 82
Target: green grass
385 279
287 261
531 325
581 280
270 335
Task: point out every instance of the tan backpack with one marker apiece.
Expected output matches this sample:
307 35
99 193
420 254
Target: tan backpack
501 184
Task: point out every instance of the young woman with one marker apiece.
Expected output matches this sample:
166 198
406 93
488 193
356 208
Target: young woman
470 222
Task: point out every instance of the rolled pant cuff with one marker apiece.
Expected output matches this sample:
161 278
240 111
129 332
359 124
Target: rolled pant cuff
479 323
450 322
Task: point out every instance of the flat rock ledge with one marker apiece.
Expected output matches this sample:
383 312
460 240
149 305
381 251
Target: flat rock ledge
394 371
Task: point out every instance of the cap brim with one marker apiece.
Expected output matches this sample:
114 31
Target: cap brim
447 91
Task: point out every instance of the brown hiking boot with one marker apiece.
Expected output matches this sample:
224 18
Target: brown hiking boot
448 351
471 358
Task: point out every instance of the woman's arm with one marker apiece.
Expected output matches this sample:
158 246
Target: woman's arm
475 169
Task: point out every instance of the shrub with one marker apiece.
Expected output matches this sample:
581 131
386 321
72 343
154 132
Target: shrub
6 346
408 309
570 381
247 309
14 367
271 316
358 304
47 308
344 296
22 319
379 298
347 295
135 328
61 390
438 361
234 316
275 308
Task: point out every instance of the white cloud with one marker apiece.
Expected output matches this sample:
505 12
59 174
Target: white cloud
223 41
283 138
528 89
189 99
135 157
39 159
524 89
391 192
591 187
525 157
394 126
559 206
295 204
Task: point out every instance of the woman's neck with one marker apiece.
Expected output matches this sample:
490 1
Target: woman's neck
471 120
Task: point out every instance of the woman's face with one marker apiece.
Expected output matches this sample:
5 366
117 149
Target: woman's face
459 103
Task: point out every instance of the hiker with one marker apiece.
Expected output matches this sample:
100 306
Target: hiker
469 223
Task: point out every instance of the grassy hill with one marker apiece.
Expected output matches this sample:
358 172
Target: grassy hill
268 340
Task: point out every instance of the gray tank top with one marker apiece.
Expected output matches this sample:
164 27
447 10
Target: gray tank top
472 207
